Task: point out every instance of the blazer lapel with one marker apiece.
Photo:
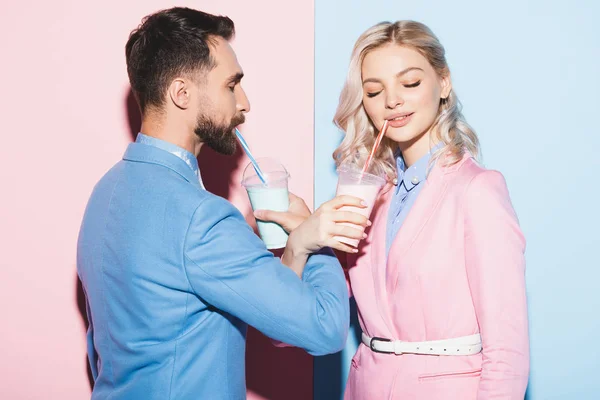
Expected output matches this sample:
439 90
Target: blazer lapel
378 256
424 207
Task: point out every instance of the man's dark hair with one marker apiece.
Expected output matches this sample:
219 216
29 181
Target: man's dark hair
170 43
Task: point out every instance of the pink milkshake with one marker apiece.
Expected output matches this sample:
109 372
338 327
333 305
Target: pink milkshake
352 181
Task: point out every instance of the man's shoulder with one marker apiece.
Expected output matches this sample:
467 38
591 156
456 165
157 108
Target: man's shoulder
210 206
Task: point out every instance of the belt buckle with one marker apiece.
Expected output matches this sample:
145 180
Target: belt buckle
381 340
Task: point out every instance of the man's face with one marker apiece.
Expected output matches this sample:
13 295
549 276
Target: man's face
223 102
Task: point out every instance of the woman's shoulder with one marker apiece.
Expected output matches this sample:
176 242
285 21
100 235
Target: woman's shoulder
481 185
469 170
472 179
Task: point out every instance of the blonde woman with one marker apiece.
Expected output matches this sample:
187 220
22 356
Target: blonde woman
439 283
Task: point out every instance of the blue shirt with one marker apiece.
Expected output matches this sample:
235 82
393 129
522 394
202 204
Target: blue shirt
180 152
410 184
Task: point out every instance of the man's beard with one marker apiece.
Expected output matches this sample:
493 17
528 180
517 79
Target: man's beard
219 137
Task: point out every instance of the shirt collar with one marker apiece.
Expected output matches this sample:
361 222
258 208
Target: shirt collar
417 172
180 152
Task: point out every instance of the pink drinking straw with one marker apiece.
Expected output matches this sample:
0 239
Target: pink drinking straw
375 146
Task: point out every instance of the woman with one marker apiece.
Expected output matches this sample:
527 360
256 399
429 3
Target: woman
439 283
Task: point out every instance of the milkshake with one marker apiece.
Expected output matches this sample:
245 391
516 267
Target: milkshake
365 186
270 196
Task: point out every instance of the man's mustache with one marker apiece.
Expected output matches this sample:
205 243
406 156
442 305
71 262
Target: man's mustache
238 120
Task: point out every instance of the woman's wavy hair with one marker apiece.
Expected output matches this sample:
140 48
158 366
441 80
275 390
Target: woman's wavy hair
449 127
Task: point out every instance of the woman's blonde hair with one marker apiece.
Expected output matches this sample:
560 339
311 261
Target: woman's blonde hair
449 126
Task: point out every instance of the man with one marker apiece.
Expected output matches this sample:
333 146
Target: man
173 274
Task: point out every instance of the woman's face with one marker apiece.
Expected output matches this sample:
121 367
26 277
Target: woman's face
399 85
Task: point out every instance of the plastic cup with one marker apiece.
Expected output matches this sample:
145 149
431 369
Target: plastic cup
352 181
272 196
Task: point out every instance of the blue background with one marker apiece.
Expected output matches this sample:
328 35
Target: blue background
527 73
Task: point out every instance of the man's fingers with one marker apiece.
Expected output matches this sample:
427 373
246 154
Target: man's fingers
287 220
348 232
343 201
352 217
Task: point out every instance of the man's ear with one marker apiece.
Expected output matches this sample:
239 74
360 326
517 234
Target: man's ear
179 92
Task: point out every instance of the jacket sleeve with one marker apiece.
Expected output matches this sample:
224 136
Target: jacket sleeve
229 267
495 262
91 350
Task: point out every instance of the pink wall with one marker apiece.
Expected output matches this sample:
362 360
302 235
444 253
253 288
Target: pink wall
65 121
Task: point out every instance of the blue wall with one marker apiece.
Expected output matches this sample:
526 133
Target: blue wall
528 75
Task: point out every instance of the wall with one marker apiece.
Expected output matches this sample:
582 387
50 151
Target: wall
67 117
527 75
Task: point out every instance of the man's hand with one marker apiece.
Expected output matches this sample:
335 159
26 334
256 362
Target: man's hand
311 232
289 220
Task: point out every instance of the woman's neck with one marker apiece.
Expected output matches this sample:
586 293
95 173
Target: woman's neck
416 148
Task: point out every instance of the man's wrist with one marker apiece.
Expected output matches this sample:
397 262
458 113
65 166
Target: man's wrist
295 258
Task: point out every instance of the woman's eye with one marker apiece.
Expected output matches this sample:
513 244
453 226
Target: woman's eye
412 85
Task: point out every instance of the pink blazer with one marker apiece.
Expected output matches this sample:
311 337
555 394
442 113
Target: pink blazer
455 268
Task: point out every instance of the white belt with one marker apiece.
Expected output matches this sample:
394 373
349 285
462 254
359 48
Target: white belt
460 346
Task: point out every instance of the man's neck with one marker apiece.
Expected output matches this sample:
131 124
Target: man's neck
172 133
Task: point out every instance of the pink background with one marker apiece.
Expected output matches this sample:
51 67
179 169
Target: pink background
67 117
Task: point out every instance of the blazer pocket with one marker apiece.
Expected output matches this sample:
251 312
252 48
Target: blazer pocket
470 373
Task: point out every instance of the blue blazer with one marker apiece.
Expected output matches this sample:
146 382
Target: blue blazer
173 275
